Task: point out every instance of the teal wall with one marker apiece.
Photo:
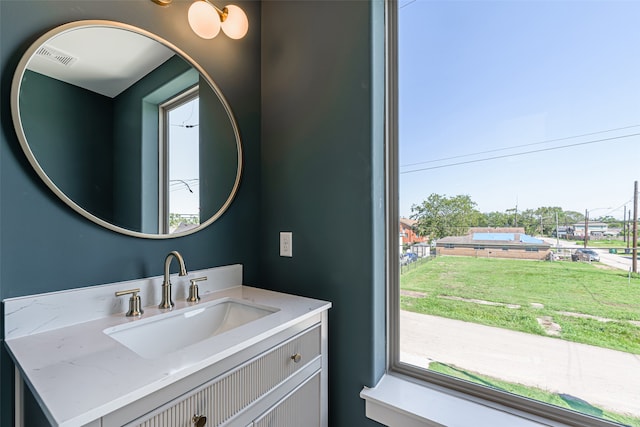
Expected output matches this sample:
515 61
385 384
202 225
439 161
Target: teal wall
44 245
79 123
135 144
218 154
322 178
304 86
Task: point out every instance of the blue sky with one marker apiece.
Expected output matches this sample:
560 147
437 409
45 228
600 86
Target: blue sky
558 79
184 164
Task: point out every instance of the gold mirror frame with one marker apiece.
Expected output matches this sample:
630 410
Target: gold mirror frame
17 121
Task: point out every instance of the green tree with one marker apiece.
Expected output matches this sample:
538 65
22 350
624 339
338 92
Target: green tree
176 219
530 221
610 221
440 216
547 216
498 219
571 217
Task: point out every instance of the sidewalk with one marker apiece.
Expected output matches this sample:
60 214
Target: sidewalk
606 378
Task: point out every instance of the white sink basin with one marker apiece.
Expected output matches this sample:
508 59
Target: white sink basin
164 334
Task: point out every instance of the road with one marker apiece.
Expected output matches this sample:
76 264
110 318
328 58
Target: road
604 378
621 261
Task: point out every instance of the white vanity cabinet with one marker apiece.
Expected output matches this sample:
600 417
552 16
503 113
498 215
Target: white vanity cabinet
284 385
299 408
265 371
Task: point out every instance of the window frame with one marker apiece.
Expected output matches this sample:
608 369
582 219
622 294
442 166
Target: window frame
515 404
164 110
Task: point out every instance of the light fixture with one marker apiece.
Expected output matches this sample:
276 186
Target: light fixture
206 20
234 21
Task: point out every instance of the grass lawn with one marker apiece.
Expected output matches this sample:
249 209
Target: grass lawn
562 401
554 287
602 243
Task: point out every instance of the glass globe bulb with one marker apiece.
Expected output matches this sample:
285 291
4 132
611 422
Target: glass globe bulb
204 19
236 25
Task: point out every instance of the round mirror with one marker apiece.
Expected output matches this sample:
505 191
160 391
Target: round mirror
126 129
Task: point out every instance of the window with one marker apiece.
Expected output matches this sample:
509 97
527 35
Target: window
180 163
518 127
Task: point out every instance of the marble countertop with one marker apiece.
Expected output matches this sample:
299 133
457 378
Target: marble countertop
80 374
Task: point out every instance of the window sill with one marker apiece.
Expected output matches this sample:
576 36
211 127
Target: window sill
398 402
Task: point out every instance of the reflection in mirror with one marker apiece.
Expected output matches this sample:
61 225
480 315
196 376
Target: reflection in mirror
181 169
119 122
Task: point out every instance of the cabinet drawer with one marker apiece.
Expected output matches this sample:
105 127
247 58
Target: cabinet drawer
224 397
300 408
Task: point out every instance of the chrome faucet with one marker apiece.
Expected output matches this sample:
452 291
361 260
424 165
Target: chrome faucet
167 302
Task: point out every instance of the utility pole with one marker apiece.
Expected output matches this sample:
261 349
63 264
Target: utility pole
541 227
624 224
557 232
628 229
586 227
634 253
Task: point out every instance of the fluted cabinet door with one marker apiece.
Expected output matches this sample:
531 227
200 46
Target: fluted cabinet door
300 408
226 397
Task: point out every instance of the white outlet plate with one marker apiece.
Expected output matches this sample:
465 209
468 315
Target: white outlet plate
286 243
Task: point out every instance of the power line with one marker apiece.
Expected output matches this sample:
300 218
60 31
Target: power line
407 4
618 208
522 153
520 146
181 183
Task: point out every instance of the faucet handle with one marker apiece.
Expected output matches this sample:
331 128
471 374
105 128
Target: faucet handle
135 304
193 289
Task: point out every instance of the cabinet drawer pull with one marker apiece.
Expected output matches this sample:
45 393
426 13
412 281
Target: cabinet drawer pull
296 357
199 420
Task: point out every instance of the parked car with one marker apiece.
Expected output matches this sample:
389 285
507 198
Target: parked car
408 258
584 254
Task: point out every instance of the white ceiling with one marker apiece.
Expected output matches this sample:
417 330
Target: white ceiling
107 60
